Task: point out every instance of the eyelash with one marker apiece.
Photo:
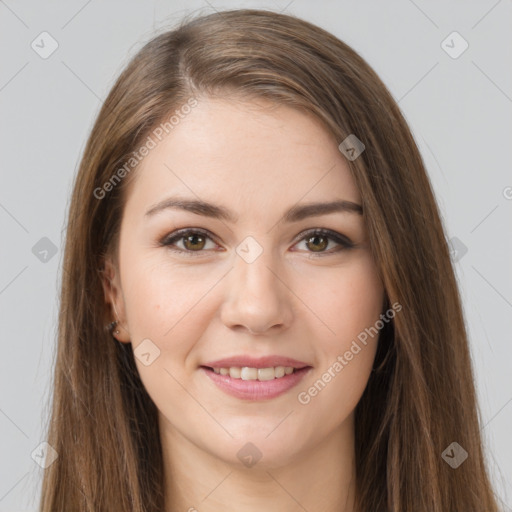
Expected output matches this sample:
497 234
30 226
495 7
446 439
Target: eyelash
342 240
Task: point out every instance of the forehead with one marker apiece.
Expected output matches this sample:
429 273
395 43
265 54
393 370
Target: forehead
252 154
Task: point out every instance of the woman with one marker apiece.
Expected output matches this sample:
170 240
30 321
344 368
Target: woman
259 310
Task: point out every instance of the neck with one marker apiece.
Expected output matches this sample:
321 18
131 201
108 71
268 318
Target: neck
320 479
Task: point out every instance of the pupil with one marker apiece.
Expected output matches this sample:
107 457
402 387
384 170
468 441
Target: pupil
316 237
192 240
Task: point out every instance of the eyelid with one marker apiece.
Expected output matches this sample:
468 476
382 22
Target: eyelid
343 241
180 233
339 238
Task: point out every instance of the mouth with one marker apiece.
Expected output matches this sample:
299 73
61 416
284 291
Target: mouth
248 373
249 383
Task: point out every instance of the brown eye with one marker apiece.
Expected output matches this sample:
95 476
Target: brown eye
188 241
194 242
317 243
323 242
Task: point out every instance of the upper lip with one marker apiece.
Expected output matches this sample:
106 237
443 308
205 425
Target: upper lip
256 362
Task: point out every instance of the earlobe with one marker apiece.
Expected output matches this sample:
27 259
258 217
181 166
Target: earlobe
120 333
114 298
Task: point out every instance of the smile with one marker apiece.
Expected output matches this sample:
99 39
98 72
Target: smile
247 373
249 383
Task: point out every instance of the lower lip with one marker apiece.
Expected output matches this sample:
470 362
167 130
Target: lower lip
255 389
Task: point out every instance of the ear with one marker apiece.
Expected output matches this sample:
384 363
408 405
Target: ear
115 299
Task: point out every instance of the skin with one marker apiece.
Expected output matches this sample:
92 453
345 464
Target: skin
258 160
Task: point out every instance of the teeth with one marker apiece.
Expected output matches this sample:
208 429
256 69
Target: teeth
261 374
249 373
280 371
235 373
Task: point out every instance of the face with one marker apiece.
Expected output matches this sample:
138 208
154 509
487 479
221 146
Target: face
256 277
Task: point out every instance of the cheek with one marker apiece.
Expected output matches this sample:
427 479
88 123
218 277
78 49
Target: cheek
362 299
351 306
168 304
171 307
346 300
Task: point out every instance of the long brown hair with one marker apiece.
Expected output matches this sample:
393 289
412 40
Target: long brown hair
421 396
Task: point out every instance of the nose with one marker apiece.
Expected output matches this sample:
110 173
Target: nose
257 297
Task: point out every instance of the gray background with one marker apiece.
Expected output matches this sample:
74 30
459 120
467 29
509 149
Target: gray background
459 110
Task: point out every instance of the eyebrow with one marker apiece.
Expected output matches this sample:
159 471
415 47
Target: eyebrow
294 214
